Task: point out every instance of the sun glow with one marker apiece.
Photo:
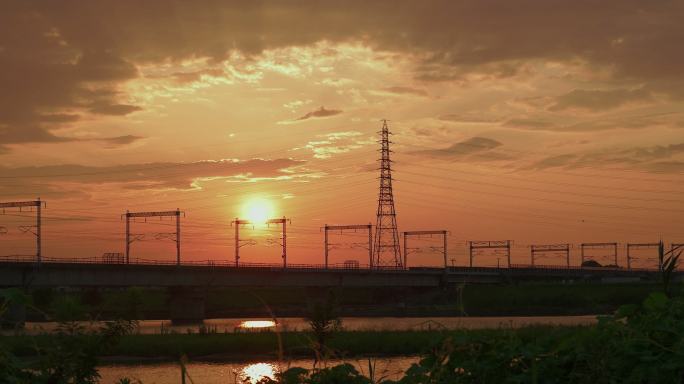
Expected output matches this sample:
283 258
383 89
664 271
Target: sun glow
254 373
257 324
258 210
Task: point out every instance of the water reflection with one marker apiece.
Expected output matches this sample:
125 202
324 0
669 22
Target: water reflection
288 324
237 372
256 324
253 373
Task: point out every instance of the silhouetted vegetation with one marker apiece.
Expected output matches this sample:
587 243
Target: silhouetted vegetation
70 355
526 299
641 343
324 319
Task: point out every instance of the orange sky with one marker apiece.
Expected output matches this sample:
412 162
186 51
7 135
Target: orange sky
538 122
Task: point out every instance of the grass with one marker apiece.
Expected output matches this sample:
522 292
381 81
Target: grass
478 300
296 344
548 299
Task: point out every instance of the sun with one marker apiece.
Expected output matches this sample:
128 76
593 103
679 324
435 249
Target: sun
258 210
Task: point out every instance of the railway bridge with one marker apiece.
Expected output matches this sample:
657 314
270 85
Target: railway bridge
189 281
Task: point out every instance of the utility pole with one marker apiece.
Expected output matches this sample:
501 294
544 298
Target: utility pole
39 246
354 227
178 237
282 221
497 245
128 238
443 249
611 246
386 245
631 246
36 229
550 249
237 222
175 236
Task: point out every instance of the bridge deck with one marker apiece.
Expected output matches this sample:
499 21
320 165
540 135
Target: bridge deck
87 273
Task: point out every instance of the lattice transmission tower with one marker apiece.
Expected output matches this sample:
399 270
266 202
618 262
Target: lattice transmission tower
386 252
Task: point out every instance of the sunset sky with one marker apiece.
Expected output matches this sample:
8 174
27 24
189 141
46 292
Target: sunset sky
537 121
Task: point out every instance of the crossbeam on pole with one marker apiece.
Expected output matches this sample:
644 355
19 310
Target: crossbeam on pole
177 213
584 246
631 246
38 233
490 244
355 227
550 248
155 214
283 221
237 223
440 232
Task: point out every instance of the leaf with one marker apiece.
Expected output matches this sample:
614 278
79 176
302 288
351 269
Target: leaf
626 311
656 301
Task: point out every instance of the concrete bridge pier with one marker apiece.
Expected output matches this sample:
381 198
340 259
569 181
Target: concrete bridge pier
186 305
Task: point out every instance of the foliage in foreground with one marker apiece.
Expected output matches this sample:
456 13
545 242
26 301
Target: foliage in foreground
639 344
72 354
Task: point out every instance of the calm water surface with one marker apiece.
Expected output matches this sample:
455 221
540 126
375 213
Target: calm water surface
349 323
226 373
238 372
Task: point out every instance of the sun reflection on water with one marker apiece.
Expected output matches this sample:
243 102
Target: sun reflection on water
252 324
254 372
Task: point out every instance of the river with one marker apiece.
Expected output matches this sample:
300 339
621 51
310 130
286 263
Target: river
238 372
249 372
348 323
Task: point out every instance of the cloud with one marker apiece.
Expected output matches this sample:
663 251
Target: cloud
114 142
661 158
335 143
640 121
469 118
406 91
555 161
109 142
472 146
596 100
62 57
194 76
320 112
525 123
148 176
666 166
115 109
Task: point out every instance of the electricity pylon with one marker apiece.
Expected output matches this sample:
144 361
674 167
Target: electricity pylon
386 252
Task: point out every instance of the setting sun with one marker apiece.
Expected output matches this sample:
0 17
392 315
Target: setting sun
258 210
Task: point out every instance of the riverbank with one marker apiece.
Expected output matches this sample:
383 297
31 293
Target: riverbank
259 345
529 299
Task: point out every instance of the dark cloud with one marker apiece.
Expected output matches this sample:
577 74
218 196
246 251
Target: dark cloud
661 158
429 131
58 56
598 124
320 112
34 180
655 152
666 166
532 124
599 100
114 142
473 146
555 161
115 109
